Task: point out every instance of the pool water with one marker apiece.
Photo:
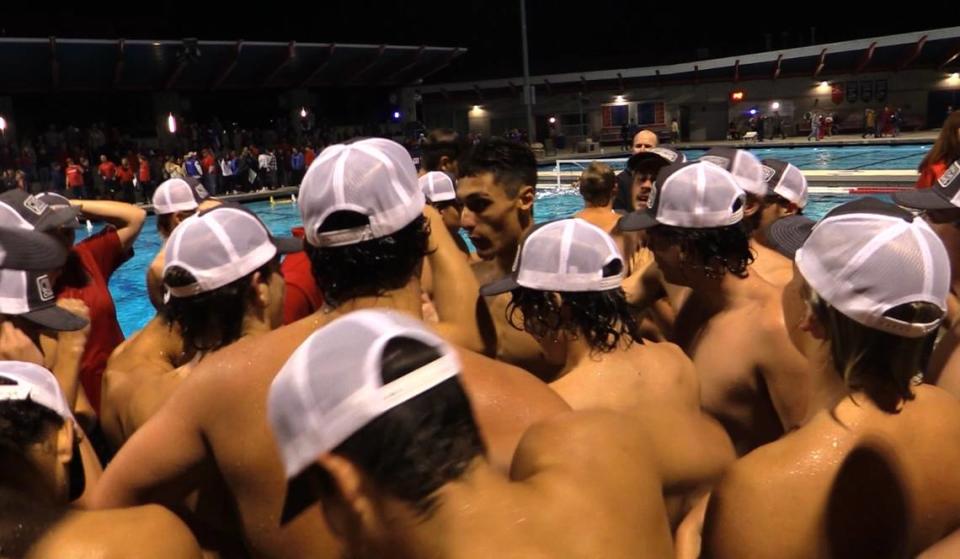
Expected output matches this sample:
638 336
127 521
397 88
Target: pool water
872 157
128 284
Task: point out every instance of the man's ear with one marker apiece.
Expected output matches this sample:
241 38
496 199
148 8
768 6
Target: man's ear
352 506
525 198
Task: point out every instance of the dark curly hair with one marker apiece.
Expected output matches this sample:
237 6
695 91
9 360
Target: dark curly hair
212 320
512 164
369 268
717 250
602 319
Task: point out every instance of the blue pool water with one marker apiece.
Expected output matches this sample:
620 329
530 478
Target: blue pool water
128 284
873 157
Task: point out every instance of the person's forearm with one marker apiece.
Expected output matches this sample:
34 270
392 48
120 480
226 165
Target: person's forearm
456 293
118 214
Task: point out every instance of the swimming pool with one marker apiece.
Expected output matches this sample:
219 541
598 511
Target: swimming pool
128 284
832 158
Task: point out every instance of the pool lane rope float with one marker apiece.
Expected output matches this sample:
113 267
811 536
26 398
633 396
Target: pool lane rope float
292 200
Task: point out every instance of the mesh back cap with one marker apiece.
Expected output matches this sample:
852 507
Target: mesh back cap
437 186
178 195
745 167
569 255
786 181
375 177
865 258
697 195
221 246
332 386
24 211
34 383
943 194
24 249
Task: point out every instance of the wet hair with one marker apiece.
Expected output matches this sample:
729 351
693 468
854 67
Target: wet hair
602 319
212 320
881 364
597 183
439 143
717 250
24 423
369 268
416 448
512 164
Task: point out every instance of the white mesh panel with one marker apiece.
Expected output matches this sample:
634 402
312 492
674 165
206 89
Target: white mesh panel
568 255
437 186
173 195
374 177
864 265
700 195
793 186
13 292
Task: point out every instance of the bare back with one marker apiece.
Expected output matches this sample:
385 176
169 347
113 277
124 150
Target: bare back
854 481
217 420
770 265
752 379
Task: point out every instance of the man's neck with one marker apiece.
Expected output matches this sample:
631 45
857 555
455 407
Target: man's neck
504 260
407 300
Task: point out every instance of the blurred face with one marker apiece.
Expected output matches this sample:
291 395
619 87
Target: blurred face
644 140
668 253
450 212
494 221
640 190
64 235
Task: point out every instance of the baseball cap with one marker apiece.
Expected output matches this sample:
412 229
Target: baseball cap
566 255
374 177
21 249
652 160
744 166
59 202
943 195
332 386
19 209
29 295
866 257
178 195
438 186
786 181
33 383
220 246
696 195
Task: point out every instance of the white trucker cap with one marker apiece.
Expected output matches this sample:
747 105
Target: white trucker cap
745 167
332 386
438 186
785 180
866 257
374 177
220 246
178 195
695 195
568 255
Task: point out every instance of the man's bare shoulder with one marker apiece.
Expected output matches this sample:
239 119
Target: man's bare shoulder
147 532
485 271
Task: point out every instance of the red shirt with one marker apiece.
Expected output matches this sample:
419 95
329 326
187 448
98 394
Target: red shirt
144 175
124 175
931 173
100 255
302 297
74 176
209 165
108 170
308 156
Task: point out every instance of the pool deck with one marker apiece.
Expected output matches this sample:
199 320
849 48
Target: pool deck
840 140
280 195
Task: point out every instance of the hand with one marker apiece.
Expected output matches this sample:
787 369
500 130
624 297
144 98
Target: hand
77 340
640 260
16 346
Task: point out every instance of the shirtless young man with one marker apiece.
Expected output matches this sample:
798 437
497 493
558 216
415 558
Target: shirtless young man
565 292
363 214
497 187
222 272
750 176
752 379
396 457
598 188
871 472
40 471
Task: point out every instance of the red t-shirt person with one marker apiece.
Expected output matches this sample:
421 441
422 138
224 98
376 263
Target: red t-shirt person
308 156
931 173
74 176
124 175
302 298
107 170
144 174
95 259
